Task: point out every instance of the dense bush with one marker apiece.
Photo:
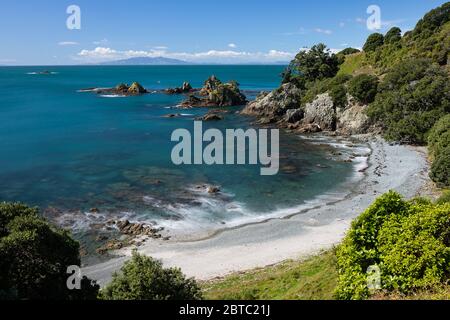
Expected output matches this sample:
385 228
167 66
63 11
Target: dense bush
373 42
348 51
411 98
433 20
315 64
439 137
393 35
364 88
415 249
408 241
445 198
144 278
440 169
34 257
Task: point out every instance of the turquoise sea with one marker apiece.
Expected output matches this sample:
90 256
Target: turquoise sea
68 151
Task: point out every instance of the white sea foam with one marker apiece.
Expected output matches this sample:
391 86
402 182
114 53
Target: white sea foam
112 96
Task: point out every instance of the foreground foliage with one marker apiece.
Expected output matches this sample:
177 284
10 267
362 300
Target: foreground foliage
34 257
408 241
144 278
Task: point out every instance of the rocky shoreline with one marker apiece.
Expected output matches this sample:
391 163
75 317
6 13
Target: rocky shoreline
283 108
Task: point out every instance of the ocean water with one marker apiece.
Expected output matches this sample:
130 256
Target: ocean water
68 151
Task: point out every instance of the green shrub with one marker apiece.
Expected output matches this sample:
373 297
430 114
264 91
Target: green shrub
364 88
359 249
348 51
393 35
373 42
445 198
408 241
440 169
339 95
439 137
34 257
143 278
415 249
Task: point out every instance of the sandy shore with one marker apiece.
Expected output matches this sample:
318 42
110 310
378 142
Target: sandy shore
400 168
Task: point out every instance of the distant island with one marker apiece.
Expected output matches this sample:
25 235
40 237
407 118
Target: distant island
145 61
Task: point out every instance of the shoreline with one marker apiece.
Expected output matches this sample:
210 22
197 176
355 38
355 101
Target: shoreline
401 168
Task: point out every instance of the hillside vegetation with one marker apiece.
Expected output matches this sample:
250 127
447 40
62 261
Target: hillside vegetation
403 80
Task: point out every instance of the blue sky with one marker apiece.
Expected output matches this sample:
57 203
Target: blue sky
232 31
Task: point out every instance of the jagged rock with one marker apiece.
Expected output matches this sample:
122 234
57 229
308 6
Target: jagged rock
213 190
274 105
124 89
309 128
294 115
136 88
321 112
210 117
216 94
185 88
211 84
353 119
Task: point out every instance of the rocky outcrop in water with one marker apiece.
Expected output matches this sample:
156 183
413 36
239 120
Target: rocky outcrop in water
216 94
123 89
185 88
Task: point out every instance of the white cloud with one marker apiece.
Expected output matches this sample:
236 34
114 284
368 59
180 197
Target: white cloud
232 45
160 48
324 31
102 54
101 42
68 43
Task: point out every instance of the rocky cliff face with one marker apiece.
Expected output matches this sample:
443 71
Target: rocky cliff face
272 107
353 119
283 107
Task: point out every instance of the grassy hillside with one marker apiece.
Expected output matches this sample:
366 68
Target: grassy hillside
313 279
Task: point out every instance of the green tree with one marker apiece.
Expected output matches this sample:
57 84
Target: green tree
143 278
393 35
34 257
348 51
315 64
374 41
